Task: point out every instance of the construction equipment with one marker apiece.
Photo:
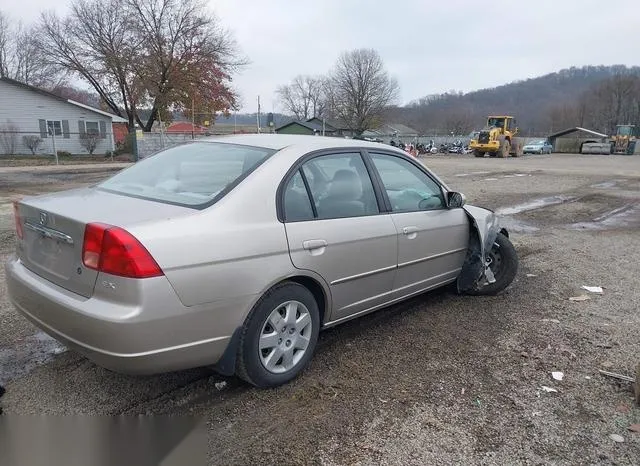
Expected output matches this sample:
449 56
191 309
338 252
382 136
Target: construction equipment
497 138
624 142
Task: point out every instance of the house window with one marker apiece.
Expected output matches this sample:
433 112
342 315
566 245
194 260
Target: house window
54 127
92 127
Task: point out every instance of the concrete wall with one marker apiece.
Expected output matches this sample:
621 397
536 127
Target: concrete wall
25 108
150 143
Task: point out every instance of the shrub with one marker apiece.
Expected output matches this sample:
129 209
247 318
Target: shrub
89 141
9 138
32 143
64 153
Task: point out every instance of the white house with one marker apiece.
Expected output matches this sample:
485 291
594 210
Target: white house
27 111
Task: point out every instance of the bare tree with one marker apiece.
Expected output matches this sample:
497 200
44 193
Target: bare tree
32 143
89 141
5 44
9 138
359 89
304 97
162 54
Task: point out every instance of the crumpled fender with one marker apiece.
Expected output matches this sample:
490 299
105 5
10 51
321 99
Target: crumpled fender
475 272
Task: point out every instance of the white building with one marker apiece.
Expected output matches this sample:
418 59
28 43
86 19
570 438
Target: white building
27 111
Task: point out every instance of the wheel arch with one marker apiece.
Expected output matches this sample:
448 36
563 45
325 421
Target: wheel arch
316 289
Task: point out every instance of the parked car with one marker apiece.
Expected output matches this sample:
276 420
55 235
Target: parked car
538 147
236 251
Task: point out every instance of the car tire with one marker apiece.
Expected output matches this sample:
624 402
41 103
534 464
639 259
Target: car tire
504 266
277 319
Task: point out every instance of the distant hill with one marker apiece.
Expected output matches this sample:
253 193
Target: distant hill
532 101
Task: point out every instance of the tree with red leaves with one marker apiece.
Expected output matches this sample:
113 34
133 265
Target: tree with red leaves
154 55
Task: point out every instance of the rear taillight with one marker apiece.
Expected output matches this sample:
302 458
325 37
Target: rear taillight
115 251
16 216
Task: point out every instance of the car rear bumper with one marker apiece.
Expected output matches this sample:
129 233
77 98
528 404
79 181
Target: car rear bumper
156 334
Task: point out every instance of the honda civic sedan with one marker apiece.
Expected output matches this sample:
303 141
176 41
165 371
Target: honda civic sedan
236 251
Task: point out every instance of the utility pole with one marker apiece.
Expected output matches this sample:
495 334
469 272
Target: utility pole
323 125
52 131
258 114
193 117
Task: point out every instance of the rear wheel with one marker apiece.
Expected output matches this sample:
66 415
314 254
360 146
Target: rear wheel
279 337
503 262
478 153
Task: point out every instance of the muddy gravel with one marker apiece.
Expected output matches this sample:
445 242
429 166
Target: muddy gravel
440 379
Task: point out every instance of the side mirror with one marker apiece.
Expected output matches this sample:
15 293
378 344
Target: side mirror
455 200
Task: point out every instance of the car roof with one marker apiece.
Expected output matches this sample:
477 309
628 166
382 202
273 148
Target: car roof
304 143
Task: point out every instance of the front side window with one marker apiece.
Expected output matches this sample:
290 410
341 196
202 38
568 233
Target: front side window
340 186
193 175
409 189
54 127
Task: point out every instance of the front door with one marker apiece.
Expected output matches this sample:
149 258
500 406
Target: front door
432 239
335 228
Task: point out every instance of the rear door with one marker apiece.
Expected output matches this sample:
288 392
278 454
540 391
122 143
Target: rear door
335 228
432 239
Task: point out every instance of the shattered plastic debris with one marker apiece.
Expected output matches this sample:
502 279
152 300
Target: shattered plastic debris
616 438
592 289
634 428
221 385
555 321
557 375
549 389
530 275
582 297
587 377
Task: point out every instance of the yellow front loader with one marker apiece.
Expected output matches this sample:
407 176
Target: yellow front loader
624 142
498 138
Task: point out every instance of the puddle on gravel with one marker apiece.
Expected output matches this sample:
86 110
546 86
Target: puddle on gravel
27 354
535 204
612 184
517 226
622 217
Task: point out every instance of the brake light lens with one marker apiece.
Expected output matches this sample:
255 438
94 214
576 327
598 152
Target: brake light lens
16 216
115 251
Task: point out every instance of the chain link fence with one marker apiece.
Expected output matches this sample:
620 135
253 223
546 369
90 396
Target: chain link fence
56 141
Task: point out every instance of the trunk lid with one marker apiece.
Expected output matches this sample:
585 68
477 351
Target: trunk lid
54 225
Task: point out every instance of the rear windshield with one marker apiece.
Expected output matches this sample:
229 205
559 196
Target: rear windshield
193 175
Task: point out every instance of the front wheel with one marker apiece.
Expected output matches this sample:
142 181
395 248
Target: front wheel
503 262
279 336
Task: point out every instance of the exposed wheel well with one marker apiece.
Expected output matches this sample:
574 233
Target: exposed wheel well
316 290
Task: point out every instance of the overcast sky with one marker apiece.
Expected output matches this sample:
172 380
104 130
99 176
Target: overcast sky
428 46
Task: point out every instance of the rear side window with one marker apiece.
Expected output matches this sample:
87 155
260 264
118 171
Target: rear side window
297 206
339 185
193 175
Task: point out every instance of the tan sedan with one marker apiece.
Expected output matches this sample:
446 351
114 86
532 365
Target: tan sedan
237 251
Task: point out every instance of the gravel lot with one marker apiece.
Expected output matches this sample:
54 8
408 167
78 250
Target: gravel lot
439 379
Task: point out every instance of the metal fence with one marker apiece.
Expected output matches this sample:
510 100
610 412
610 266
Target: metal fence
56 141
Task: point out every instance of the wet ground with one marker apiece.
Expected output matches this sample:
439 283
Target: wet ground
440 379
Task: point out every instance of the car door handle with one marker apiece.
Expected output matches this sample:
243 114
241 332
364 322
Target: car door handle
312 244
409 230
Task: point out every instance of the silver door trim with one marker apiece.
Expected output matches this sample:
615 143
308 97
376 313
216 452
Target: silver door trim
49 232
363 275
428 258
